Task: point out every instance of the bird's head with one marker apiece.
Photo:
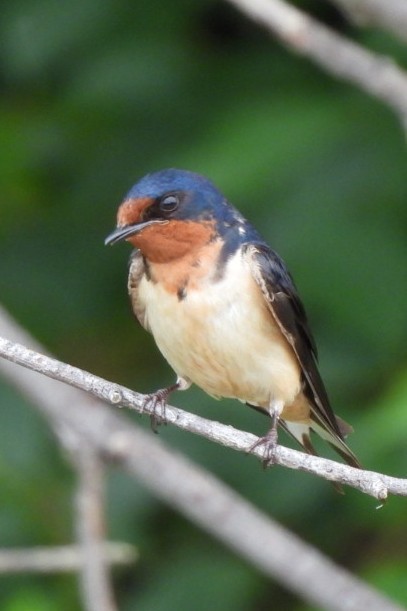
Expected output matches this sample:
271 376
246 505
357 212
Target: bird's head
169 213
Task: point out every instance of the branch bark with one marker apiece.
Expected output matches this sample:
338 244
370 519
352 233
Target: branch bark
373 73
390 15
60 559
377 485
97 591
188 488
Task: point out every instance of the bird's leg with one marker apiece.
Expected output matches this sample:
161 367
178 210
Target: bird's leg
269 441
157 402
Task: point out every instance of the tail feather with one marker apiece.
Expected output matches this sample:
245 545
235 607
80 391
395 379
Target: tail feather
343 426
336 442
302 434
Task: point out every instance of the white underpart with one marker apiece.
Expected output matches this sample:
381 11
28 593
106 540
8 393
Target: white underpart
276 407
183 383
299 430
223 338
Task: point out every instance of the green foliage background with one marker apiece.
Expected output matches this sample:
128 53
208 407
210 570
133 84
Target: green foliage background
96 94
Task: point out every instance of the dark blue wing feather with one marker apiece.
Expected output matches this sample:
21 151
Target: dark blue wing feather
285 305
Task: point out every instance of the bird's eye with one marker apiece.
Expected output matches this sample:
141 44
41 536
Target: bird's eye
169 203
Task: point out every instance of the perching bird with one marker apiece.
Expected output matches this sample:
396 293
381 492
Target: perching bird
222 307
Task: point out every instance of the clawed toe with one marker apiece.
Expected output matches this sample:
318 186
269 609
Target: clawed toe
269 453
269 442
157 403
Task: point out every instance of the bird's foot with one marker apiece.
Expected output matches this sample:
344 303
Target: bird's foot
157 402
269 441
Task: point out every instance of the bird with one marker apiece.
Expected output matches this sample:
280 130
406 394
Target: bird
223 308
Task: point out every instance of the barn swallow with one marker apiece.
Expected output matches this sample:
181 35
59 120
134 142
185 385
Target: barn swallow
223 308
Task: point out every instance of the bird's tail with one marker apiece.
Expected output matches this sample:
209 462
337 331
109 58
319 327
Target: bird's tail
302 434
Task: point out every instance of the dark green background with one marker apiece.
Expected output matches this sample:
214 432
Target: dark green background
96 94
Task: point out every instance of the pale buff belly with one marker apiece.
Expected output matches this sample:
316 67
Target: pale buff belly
224 339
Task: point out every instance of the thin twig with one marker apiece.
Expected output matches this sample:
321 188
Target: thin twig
95 580
388 14
194 492
377 485
61 559
376 74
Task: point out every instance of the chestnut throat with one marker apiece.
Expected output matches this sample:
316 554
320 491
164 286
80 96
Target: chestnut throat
179 255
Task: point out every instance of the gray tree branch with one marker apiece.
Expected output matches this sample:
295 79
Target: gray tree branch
60 559
373 73
94 573
188 488
369 482
388 14
97 591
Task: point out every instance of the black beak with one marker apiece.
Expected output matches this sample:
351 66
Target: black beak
121 233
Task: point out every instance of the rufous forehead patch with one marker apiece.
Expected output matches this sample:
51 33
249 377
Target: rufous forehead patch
131 210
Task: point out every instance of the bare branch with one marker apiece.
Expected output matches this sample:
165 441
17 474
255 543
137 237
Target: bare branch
191 490
389 14
60 559
376 74
369 482
94 577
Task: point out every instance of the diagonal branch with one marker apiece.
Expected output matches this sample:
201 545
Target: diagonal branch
375 484
188 488
373 73
388 14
